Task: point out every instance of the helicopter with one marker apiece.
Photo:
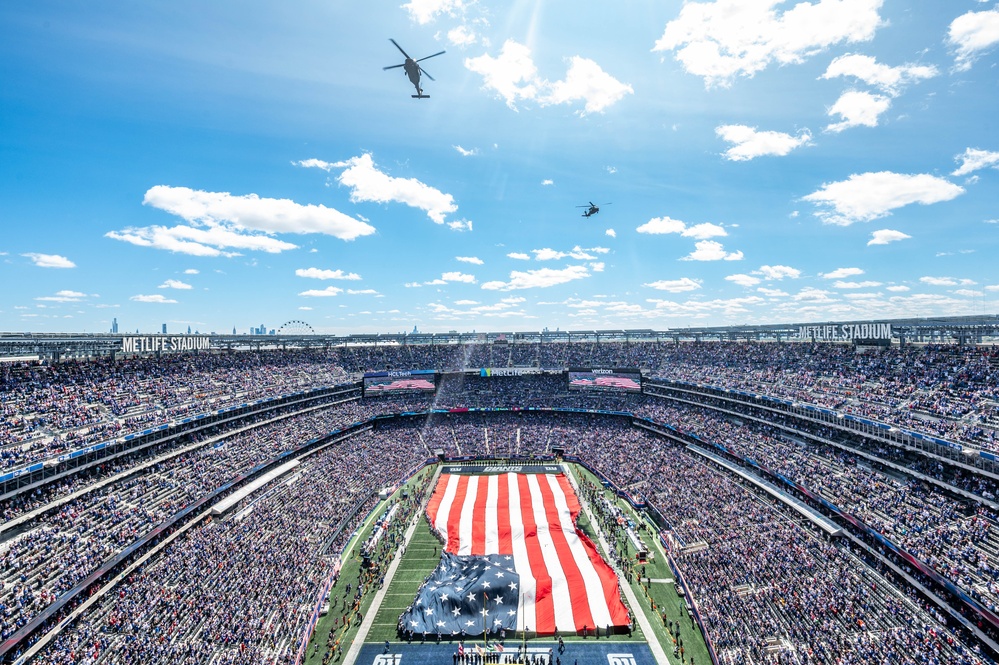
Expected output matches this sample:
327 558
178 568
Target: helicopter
413 70
592 208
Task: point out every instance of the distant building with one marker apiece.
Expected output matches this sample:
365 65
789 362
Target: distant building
114 326
189 330
164 329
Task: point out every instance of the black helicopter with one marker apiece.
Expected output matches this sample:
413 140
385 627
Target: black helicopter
592 209
413 70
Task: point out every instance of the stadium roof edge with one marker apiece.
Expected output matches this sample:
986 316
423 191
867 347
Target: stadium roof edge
972 329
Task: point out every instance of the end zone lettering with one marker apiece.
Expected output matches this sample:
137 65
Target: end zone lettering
152 344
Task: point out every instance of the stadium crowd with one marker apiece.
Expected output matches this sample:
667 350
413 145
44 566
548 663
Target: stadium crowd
758 576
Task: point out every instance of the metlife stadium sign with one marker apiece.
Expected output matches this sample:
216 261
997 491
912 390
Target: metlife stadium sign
164 344
846 332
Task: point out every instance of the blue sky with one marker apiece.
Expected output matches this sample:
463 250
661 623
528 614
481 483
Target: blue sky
229 164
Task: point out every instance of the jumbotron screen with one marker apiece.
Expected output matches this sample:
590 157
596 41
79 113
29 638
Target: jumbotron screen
399 382
609 380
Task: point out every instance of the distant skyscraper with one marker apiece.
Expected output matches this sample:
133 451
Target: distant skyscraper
164 329
114 326
189 330
234 330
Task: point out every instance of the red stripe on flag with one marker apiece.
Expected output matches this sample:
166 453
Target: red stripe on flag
479 518
503 517
544 606
581 614
454 517
438 496
608 579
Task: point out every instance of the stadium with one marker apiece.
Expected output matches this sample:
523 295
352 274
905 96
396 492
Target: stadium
660 332
504 498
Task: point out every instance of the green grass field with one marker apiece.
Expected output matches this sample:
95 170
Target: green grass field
663 594
423 554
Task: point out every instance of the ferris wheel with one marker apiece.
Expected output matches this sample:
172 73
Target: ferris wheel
295 327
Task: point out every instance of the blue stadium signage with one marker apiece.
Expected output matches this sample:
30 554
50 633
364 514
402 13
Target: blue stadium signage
162 343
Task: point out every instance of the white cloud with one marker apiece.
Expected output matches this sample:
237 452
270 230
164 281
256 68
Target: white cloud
971 34
968 293
744 280
585 81
155 298
251 212
992 287
947 281
465 303
596 266
974 159
577 252
663 225
212 241
460 225
412 285
320 273
868 196
710 250
328 292
367 183
305 309
897 288
541 278
175 284
857 109
514 77
49 260
474 260
547 182
611 232
425 11
520 256
840 273
362 292
748 143
866 68
727 38
63 296
885 236
778 272
841 284
458 277
191 271
675 285
462 35
773 293
466 153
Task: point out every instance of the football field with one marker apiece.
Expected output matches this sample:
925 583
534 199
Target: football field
422 555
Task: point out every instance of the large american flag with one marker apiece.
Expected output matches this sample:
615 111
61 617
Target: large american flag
564 584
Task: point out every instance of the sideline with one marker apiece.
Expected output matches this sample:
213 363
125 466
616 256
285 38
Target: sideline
369 616
650 636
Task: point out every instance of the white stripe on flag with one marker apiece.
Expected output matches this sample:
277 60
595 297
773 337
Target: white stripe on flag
444 510
492 515
594 589
522 564
468 517
561 595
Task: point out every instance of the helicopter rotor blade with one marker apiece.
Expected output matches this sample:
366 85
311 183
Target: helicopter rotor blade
432 56
400 48
426 74
394 66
